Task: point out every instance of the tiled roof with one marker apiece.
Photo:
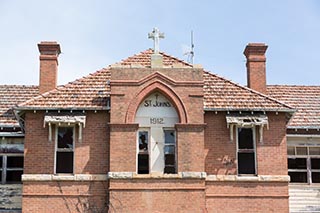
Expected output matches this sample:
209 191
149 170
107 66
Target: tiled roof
90 92
93 91
306 99
10 95
222 94
143 59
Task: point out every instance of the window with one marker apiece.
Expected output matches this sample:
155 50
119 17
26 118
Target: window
304 164
246 151
64 149
11 168
143 153
169 151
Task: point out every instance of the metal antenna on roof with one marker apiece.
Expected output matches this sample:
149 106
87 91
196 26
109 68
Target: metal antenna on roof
190 52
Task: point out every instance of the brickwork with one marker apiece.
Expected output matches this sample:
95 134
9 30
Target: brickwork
232 197
158 195
65 197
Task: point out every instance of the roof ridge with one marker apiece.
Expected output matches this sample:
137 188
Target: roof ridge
175 58
251 90
291 85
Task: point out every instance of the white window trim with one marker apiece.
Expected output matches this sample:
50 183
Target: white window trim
308 157
147 129
56 148
254 149
175 148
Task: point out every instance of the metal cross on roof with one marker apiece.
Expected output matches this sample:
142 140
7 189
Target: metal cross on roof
156 35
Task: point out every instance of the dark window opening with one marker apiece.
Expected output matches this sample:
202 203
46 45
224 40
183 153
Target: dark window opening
11 169
14 176
143 164
14 162
143 155
64 154
246 151
246 163
169 152
245 138
298 177
64 162
315 177
297 163
65 137
315 163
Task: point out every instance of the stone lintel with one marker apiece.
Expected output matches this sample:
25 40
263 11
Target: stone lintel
259 178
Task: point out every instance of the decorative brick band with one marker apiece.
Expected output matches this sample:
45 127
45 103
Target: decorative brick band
76 177
190 127
259 178
124 126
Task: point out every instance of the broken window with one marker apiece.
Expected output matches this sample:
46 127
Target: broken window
246 151
64 149
304 164
11 168
143 153
169 151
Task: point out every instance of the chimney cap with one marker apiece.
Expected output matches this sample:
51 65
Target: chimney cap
255 49
49 48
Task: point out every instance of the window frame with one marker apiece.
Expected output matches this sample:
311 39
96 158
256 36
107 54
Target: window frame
4 167
308 158
170 144
142 129
56 149
254 150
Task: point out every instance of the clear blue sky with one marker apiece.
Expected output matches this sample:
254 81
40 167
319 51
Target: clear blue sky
96 33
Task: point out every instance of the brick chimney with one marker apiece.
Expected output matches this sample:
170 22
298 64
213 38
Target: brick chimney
256 66
49 52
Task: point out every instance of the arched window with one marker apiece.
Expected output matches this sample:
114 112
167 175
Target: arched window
156 137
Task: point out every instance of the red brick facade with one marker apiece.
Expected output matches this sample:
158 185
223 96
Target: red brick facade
105 153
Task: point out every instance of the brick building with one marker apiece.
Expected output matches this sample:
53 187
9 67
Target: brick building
153 133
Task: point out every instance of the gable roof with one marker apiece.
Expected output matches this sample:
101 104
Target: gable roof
10 96
306 99
93 91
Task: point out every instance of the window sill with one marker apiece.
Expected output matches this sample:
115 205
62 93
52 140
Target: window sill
158 175
259 178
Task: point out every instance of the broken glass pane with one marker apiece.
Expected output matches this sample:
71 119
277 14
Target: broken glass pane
169 136
143 140
65 137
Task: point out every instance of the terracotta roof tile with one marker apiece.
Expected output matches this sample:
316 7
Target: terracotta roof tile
306 99
93 91
10 95
143 59
221 94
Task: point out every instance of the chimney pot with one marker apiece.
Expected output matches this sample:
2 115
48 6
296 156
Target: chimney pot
49 52
256 66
